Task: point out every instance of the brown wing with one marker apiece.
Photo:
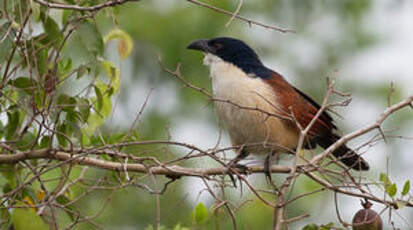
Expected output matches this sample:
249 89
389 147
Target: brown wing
304 109
301 106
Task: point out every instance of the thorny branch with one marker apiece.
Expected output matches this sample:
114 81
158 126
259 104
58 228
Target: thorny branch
132 167
313 164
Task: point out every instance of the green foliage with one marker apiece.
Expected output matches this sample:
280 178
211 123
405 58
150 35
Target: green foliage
25 218
406 188
113 73
177 227
53 35
41 107
6 45
200 213
385 179
125 44
62 87
22 83
91 38
328 226
310 227
391 190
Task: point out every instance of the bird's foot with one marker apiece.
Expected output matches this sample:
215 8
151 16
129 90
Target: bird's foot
267 168
242 169
236 169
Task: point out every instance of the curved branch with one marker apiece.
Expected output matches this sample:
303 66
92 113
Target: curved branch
376 125
82 8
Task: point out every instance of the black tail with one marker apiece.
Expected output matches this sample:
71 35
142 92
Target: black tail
344 154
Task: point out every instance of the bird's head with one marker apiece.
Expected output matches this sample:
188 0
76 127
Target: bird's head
230 50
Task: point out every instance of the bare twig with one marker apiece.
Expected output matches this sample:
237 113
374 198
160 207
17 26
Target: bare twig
83 8
376 125
249 21
174 170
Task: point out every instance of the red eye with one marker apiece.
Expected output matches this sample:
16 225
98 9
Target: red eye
218 46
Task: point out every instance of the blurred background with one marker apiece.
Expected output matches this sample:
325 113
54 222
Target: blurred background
366 45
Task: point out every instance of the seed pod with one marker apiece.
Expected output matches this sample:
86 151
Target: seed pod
367 219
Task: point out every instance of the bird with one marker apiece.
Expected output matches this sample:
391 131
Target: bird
260 110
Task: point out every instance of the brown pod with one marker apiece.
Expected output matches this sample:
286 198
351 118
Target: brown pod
367 219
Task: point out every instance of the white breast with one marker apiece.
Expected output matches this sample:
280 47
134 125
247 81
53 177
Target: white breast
248 126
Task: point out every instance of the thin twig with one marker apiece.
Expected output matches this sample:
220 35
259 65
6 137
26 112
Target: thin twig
83 8
249 21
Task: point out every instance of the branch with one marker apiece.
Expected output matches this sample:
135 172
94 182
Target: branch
242 18
376 125
173 170
368 196
83 8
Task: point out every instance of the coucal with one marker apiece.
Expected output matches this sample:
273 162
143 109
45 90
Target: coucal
260 109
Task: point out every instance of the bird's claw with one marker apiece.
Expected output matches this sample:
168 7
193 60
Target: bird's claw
241 169
267 169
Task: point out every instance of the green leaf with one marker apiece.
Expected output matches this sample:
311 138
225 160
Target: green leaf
179 227
27 219
150 227
99 97
200 213
64 66
60 138
63 200
406 188
84 140
6 45
116 137
125 44
107 106
41 60
81 71
1 129
391 190
66 15
36 10
22 82
29 191
113 74
104 104
8 172
84 108
52 32
7 188
45 142
12 124
26 141
67 102
39 99
327 226
385 179
93 122
91 38
310 227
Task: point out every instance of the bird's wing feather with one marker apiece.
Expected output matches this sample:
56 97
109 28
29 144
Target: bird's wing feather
300 106
303 109
325 116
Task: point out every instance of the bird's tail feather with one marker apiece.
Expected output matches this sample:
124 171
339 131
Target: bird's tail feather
347 156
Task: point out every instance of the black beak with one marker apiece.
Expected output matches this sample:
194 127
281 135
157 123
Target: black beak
201 45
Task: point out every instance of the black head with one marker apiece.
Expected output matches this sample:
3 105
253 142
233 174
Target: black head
233 51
